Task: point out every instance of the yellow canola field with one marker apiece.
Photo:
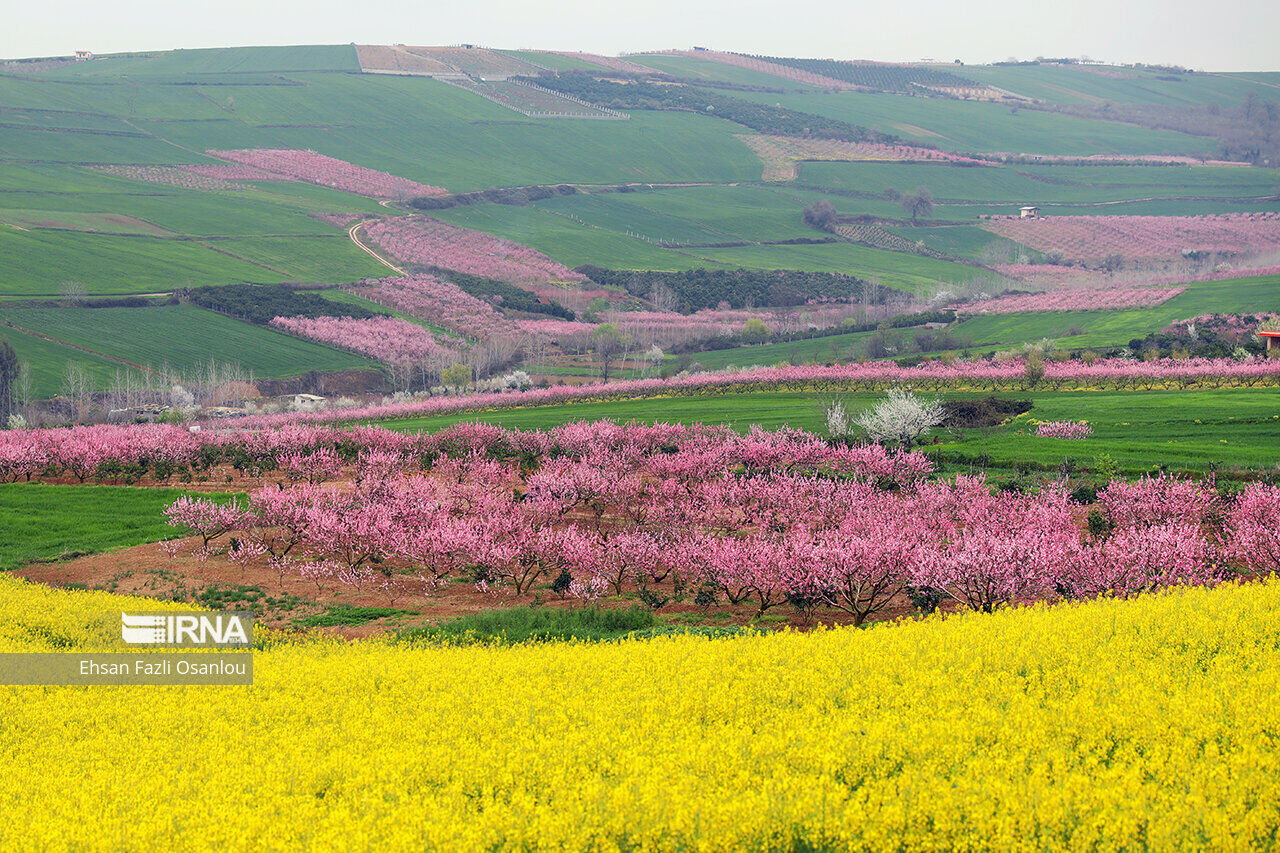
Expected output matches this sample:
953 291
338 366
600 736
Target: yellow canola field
1142 724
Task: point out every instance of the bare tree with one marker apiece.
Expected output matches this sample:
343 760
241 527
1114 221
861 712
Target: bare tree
76 388
662 297
902 417
918 203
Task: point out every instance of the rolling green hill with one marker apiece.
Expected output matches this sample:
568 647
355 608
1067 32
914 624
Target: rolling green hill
183 337
696 196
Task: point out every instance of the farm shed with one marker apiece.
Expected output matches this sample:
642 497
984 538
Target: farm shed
1030 212
1272 339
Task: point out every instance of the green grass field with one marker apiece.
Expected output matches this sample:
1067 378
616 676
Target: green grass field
180 336
47 361
1117 328
1044 185
40 263
43 522
327 258
910 273
828 349
1140 430
986 127
1095 85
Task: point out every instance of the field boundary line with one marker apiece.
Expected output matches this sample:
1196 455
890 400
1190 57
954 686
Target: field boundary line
51 339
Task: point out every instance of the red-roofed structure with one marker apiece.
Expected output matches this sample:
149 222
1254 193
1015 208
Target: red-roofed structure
1272 339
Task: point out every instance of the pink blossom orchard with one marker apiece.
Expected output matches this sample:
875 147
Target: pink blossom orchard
440 302
423 240
388 339
768 518
313 168
1143 237
1071 430
1073 299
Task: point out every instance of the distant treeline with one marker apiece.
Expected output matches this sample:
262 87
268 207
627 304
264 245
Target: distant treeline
645 95
903 321
260 303
498 293
518 196
691 290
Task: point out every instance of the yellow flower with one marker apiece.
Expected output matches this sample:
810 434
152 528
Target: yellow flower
1109 724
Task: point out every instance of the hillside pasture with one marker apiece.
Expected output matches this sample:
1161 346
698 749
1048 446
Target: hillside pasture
45 521
1080 329
1090 84
40 263
181 337
1043 185
972 126
910 273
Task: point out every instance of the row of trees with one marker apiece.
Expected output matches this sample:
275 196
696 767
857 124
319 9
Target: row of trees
676 513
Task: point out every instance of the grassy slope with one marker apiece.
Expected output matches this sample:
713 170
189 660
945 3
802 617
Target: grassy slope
48 361
911 273
182 336
1144 430
1116 328
1141 430
39 263
1093 85
828 349
1013 185
43 521
694 68
975 126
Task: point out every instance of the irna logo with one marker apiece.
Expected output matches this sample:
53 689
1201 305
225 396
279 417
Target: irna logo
187 629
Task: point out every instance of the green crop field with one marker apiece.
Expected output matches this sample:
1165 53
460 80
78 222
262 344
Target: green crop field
40 263
1077 329
332 258
44 522
47 361
911 273
692 214
1044 185
568 241
180 336
986 127
1096 85
695 69
824 350
1140 430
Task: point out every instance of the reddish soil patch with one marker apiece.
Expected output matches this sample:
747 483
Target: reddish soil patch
145 570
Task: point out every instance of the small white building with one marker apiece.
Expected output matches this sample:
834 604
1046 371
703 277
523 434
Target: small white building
308 400
1030 212
82 55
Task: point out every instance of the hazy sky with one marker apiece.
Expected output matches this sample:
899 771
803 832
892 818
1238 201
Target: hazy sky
1226 35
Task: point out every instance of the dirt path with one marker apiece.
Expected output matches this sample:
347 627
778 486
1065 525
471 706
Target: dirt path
354 233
